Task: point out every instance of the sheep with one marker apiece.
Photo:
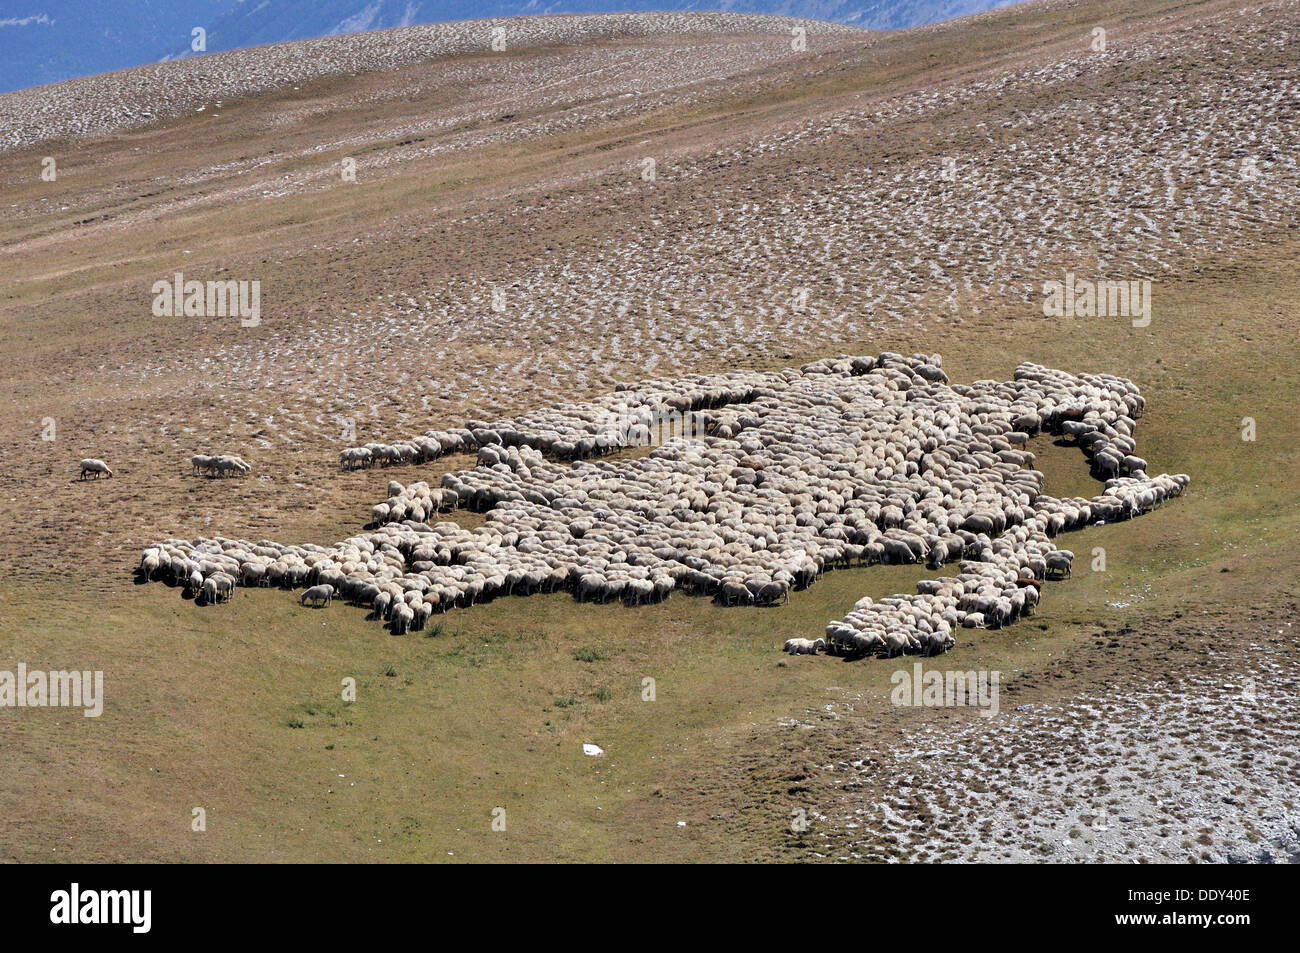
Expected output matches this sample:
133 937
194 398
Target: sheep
218 587
734 593
864 644
150 563
1107 464
211 591
804 646
1134 464
1059 563
95 466
771 593
220 464
403 616
353 458
937 642
318 594
423 610
844 461
896 643
898 551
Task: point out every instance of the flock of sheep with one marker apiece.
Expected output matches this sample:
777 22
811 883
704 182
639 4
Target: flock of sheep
846 461
422 449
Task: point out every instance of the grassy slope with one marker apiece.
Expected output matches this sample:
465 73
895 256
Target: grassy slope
238 710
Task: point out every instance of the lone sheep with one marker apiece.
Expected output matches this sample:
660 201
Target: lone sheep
96 467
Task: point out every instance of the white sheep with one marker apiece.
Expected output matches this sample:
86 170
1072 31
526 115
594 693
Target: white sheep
317 594
846 461
95 466
804 646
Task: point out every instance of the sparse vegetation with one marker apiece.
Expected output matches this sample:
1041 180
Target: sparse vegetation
377 310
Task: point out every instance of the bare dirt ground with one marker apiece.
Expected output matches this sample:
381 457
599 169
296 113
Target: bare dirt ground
802 204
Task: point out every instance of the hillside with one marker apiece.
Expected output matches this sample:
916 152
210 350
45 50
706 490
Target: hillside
505 246
46 43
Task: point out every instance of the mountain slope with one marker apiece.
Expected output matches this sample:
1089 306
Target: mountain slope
501 249
251 25
47 41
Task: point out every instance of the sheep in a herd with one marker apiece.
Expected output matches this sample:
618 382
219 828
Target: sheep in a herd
354 458
318 594
93 466
218 587
403 618
733 593
1059 562
151 562
843 462
804 646
937 641
896 643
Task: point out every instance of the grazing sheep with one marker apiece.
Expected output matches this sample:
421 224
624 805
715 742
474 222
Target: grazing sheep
402 618
220 465
896 643
318 594
218 587
1134 464
1059 563
937 642
845 461
735 593
95 466
354 458
150 563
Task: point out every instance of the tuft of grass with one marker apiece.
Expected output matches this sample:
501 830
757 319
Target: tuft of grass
587 654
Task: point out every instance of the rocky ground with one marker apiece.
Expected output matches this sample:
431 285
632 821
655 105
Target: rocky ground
128 99
1194 766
